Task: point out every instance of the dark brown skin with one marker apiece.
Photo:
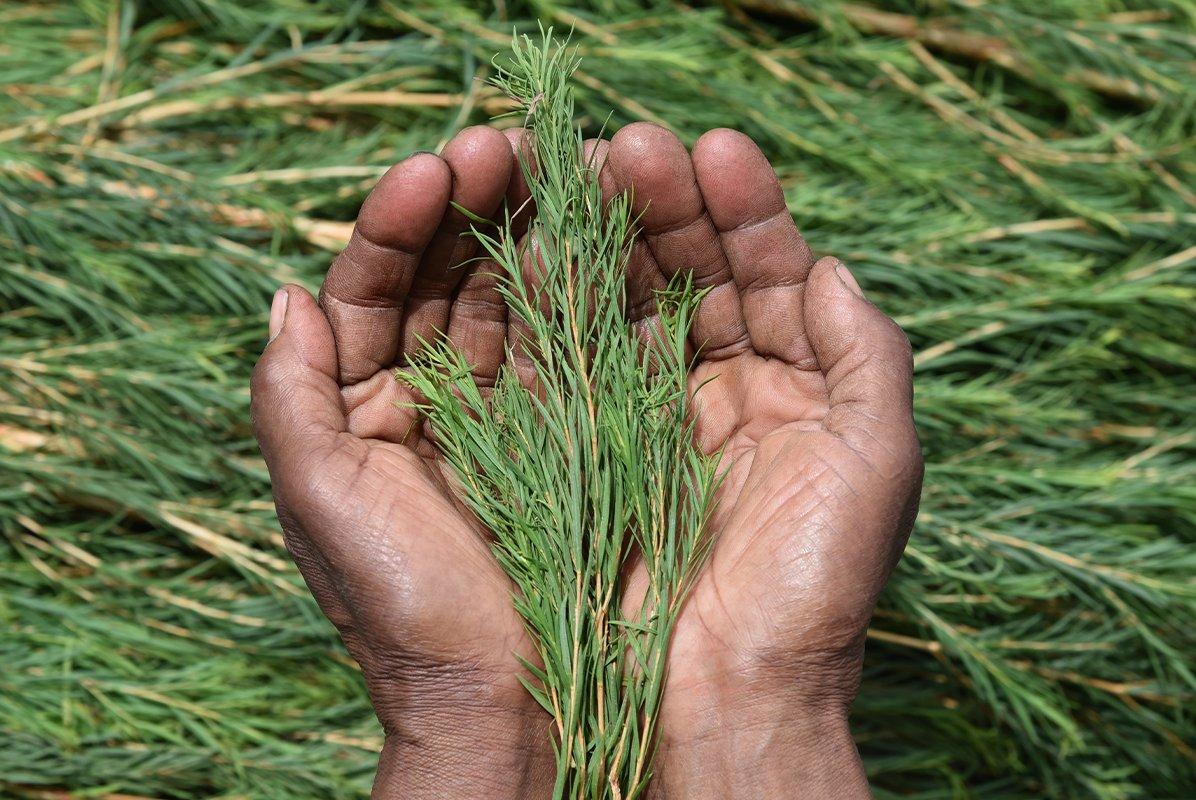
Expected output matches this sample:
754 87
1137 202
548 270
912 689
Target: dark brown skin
811 403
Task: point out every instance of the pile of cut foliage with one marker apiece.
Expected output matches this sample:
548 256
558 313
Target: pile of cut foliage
1012 181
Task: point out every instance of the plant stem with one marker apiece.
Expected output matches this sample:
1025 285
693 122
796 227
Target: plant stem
615 480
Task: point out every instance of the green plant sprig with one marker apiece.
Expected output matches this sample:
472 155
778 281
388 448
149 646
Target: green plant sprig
593 467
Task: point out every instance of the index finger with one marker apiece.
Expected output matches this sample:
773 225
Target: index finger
366 287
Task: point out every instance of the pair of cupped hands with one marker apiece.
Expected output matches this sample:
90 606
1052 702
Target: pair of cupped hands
806 389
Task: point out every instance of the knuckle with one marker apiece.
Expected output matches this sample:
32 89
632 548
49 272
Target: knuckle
262 386
914 472
269 376
904 465
901 346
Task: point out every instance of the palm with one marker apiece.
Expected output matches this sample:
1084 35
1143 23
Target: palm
787 492
803 387
429 590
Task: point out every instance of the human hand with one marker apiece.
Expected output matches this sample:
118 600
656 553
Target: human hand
806 389
811 403
390 554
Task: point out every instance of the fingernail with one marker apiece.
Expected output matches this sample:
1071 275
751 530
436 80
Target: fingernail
849 280
278 313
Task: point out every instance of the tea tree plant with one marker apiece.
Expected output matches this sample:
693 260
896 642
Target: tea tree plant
590 465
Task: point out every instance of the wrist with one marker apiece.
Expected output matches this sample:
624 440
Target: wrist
456 731
758 737
790 758
495 755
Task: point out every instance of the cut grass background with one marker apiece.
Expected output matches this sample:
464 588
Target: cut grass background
1011 181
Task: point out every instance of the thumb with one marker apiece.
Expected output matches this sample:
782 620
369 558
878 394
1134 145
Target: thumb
295 398
868 366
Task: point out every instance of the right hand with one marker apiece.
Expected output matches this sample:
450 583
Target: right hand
392 557
806 394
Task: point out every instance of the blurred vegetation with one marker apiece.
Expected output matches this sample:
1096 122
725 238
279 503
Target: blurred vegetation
1012 181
